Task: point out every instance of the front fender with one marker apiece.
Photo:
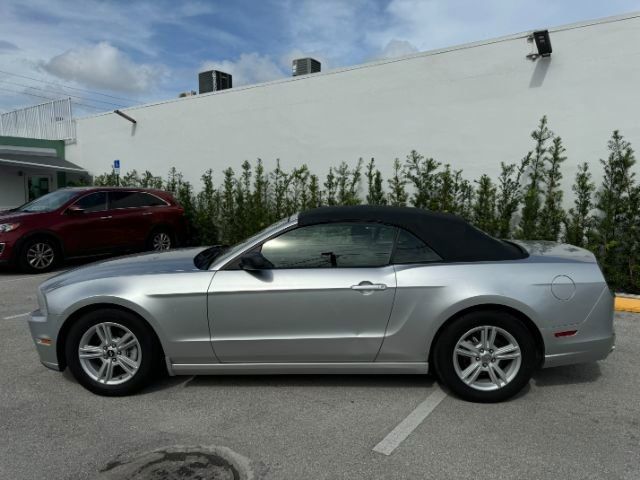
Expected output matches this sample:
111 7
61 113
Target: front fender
173 304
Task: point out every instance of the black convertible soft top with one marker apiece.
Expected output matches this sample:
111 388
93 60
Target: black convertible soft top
450 236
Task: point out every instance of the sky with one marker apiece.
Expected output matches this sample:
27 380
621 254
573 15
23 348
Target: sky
113 54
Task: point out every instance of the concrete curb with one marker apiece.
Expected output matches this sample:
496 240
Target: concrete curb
627 303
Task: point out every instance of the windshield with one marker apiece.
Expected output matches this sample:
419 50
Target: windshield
49 202
227 253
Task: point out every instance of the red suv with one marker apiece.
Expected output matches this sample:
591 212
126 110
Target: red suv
75 222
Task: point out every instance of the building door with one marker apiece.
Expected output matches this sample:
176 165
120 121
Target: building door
38 185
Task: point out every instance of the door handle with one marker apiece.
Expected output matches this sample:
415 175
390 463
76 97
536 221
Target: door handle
369 286
147 213
106 218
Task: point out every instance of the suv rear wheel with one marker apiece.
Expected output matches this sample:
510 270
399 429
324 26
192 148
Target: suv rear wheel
161 240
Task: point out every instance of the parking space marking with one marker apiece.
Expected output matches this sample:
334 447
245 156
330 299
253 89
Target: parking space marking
11 317
16 279
410 423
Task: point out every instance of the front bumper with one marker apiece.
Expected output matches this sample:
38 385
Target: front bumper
44 339
8 246
594 340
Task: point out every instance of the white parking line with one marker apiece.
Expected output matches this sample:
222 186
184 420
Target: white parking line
16 279
11 317
410 423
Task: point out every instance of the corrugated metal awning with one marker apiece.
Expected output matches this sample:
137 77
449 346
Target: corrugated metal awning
39 161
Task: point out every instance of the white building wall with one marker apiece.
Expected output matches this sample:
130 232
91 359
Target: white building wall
472 106
13 191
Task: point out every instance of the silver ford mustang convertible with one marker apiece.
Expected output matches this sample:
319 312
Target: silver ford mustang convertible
333 290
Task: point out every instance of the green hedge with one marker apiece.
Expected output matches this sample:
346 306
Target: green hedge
525 201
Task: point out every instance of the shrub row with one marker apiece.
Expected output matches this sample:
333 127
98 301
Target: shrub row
524 202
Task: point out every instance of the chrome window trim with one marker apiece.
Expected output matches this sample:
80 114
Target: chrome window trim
222 264
166 204
388 263
64 211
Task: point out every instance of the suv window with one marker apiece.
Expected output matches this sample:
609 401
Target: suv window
133 200
410 249
332 245
94 202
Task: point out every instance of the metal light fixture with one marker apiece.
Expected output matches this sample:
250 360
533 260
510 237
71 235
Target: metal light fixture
124 115
543 44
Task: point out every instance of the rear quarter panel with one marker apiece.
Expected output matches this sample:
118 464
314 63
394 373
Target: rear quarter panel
429 295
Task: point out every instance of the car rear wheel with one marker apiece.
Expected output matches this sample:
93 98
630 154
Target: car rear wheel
39 255
112 352
485 356
161 240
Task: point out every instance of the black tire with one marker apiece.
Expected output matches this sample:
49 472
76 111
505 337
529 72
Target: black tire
443 355
161 234
151 352
47 247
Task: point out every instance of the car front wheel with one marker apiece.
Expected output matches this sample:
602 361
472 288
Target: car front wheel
39 255
485 356
111 352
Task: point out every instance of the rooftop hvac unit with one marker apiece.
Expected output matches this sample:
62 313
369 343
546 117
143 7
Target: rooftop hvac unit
305 66
213 80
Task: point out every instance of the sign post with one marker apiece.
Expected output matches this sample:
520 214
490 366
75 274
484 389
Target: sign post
116 170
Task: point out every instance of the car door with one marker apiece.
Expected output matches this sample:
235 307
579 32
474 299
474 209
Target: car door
327 297
130 217
85 228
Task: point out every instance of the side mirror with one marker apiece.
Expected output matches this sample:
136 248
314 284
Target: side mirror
254 261
74 210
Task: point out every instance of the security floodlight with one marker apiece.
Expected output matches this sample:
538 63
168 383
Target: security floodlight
543 42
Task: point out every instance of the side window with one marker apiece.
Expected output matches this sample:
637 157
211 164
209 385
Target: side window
133 200
147 200
410 249
94 202
332 245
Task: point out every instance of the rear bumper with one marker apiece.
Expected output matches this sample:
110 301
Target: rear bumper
583 352
44 340
594 340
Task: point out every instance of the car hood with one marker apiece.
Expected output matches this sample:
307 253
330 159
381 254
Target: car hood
542 250
8 216
174 261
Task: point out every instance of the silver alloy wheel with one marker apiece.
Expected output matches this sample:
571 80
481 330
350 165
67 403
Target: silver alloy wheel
40 255
109 353
161 242
487 358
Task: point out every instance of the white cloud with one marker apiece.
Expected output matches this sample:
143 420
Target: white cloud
194 9
4 45
103 66
397 48
248 69
331 29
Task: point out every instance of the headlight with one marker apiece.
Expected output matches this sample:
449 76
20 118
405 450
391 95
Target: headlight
8 227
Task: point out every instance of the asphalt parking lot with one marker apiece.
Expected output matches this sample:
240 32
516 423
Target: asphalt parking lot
578 422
